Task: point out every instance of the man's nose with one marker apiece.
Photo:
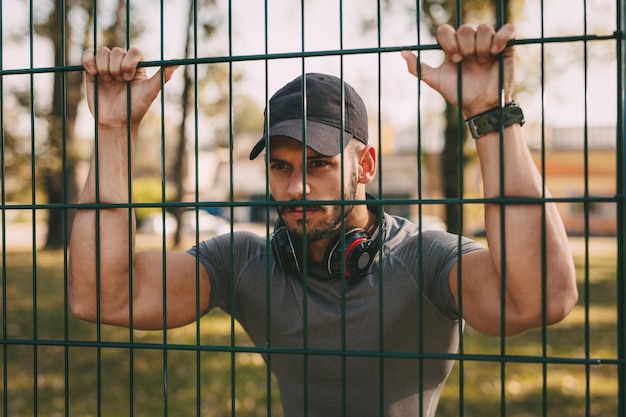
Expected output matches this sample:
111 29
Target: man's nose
298 188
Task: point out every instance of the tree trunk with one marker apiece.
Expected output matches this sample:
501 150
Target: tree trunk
451 166
59 178
181 147
453 158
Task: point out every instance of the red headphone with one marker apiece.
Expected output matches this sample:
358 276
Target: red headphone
356 248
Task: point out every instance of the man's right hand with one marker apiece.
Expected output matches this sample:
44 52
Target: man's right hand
116 70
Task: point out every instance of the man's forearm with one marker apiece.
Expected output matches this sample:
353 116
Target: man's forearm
103 235
533 233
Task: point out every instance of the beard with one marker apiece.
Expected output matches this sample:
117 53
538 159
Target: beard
331 223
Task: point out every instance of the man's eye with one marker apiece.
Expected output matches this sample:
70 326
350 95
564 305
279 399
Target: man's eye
317 164
278 166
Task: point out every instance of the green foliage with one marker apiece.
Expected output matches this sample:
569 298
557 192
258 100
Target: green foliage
54 361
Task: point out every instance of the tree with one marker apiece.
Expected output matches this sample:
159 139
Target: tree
69 38
58 166
179 170
209 87
433 13
436 13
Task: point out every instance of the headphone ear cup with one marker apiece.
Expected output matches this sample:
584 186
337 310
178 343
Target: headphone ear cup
359 256
284 249
355 249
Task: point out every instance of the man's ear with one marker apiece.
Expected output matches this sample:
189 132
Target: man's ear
367 164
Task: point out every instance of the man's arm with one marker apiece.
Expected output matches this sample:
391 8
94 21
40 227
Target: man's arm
480 290
103 264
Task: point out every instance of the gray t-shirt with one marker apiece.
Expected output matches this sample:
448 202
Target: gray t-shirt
379 347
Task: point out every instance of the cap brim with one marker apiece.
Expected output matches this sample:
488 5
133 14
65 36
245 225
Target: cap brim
322 138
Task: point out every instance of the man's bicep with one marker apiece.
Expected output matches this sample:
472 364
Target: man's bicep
170 291
476 291
441 252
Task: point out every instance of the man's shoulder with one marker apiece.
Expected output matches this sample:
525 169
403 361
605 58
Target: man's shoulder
404 237
398 229
238 242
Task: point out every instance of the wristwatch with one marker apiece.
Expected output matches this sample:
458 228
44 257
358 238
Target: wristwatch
489 121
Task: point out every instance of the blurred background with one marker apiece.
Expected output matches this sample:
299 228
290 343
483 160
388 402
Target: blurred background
193 180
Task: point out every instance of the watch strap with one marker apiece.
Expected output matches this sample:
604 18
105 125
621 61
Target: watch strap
489 121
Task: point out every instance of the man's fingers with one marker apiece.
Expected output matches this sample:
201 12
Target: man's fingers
116 63
102 63
479 43
116 56
447 38
168 72
466 41
413 65
88 61
131 59
155 80
426 72
411 61
502 37
484 41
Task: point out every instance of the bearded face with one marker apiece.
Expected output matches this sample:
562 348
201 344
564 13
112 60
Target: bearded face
329 222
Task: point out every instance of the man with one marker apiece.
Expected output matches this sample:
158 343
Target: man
367 321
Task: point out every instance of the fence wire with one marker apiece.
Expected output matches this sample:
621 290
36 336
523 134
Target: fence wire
192 180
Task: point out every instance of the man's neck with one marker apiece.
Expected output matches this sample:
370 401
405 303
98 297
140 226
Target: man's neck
360 217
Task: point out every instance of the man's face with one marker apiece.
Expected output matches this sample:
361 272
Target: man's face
324 177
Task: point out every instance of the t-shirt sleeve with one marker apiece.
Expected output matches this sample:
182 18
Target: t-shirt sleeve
440 251
224 257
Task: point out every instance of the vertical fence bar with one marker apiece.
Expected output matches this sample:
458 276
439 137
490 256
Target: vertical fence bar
544 367
3 235
33 204
305 263
268 243
231 197
193 11
586 205
98 264
131 327
420 242
544 354
66 199
460 122
621 207
342 122
163 207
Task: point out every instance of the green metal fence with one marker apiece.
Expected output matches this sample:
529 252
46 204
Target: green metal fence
192 166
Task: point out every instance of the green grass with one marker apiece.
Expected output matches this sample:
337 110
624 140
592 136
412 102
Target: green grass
55 365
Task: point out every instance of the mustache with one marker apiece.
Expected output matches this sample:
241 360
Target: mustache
295 206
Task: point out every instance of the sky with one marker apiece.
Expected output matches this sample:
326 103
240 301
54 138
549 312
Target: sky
326 28
322 32
570 96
